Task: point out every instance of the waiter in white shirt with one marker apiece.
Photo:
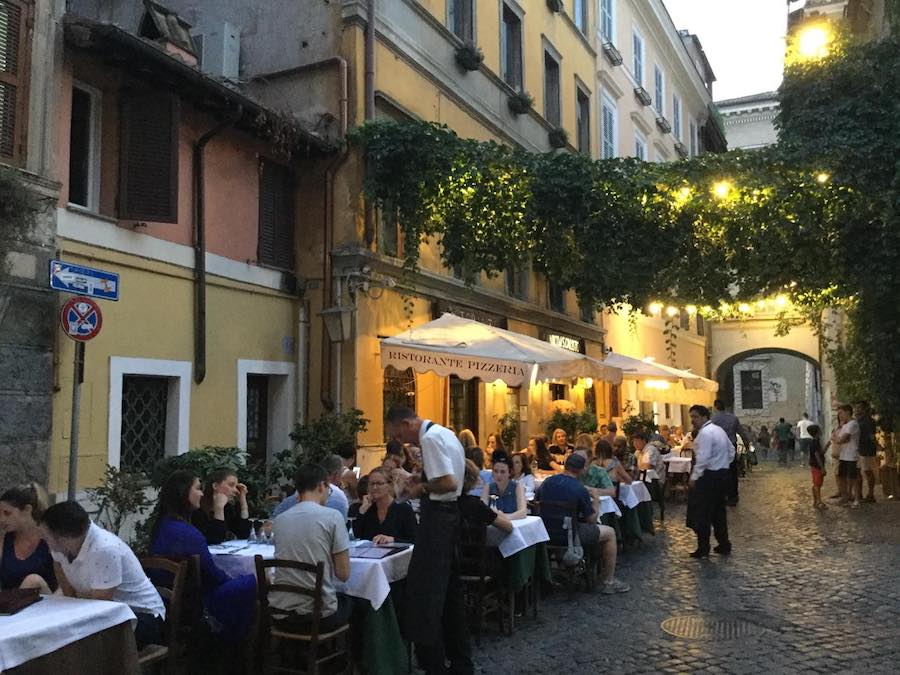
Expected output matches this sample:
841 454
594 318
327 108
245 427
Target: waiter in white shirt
713 453
435 609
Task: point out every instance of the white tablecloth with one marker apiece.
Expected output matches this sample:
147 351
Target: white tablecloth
53 623
608 505
527 531
678 464
369 579
634 494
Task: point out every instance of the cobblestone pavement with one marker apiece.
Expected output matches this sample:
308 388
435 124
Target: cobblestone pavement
818 589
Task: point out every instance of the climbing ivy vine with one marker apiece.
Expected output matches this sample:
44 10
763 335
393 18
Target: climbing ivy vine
813 219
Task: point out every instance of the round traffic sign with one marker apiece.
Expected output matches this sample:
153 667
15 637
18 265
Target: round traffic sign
80 318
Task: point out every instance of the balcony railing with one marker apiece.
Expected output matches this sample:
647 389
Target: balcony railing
613 55
663 124
641 95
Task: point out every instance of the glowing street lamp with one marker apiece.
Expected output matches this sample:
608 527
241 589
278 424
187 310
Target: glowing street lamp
656 308
721 189
691 310
671 312
744 308
814 42
823 178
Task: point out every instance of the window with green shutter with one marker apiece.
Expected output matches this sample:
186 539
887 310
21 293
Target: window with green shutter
276 216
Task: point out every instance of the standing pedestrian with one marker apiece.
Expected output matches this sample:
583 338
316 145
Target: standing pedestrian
816 464
783 434
846 440
868 449
709 483
764 440
729 423
435 609
804 437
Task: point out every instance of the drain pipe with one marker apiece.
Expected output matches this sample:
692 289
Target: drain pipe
200 244
302 361
327 282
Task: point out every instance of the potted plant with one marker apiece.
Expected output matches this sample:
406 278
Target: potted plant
520 102
558 137
469 55
554 5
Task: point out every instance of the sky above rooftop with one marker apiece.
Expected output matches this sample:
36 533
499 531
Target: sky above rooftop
743 40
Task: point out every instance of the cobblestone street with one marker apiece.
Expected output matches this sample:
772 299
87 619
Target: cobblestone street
815 591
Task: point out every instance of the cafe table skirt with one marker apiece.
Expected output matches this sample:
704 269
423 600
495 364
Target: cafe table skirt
69 635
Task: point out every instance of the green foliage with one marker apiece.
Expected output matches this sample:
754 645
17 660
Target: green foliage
816 218
520 102
558 137
121 495
318 439
573 423
19 207
509 429
635 423
469 56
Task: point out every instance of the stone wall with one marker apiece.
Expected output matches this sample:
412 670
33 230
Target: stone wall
28 312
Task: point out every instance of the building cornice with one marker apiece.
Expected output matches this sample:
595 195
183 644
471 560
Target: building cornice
433 286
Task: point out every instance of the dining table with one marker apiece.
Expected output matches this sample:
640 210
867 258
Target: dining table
677 464
58 634
369 582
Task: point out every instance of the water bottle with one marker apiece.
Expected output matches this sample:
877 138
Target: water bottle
534 465
252 538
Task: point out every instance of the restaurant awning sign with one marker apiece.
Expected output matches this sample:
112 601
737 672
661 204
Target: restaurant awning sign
452 345
465 367
567 342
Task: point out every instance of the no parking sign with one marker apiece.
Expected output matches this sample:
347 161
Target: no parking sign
80 318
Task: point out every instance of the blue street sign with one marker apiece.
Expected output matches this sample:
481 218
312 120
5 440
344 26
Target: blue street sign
71 278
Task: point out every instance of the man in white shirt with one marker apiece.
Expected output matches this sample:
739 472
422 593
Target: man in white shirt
93 563
805 438
713 453
435 611
846 439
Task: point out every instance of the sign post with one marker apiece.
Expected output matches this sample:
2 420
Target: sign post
81 320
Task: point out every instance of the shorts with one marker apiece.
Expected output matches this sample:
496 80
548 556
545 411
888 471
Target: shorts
868 463
848 470
817 476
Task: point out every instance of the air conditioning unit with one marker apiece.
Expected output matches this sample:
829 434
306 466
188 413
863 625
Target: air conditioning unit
219 51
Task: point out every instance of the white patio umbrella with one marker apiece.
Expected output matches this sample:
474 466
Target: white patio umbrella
648 369
452 345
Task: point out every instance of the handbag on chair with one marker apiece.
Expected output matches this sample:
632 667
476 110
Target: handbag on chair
574 551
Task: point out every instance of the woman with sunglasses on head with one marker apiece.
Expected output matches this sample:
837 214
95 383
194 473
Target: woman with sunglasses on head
223 512
230 601
382 519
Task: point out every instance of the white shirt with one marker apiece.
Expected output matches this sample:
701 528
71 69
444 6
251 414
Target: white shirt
442 455
338 501
803 426
850 449
712 449
105 562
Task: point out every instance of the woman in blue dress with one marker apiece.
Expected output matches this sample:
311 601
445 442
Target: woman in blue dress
508 495
25 560
229 601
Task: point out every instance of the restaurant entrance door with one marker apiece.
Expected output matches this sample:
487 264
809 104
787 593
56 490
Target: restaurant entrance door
464 404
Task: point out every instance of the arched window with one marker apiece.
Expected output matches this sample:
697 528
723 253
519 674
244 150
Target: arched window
399 389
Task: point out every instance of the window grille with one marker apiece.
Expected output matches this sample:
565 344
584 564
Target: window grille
144 403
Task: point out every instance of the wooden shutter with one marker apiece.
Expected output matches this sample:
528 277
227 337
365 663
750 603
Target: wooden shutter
15 43
276 216
148 157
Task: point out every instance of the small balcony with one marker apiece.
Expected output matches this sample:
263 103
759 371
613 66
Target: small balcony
641 95
613 55
663 124
681 149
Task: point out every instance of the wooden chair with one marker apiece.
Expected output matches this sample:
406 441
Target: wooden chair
484 594
151 655
333 644
554 514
